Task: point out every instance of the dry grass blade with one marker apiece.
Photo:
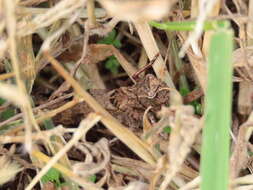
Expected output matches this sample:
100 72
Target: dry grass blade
207 36
206 7
239 157
61 10
27 110
91 13
44 135
27 60
42 157
6 76
85 125
89 167
185 127
245 103
125 135
244 180
192 184
42 116
47 43
151 48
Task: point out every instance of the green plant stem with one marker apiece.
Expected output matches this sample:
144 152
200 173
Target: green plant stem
215 147
183 84
187 25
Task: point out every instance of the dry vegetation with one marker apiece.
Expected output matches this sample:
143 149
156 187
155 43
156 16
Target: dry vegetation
89 89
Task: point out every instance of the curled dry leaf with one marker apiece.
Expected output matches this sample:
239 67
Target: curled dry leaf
146 123
137 10
185 127
241 56
89 167
239 157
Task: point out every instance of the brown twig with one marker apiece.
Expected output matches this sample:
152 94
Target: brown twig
136 75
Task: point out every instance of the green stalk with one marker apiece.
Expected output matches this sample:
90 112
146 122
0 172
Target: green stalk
215 147
183 84
187 25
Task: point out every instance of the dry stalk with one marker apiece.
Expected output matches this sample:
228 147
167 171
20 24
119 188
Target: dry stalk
95 54
207 36
42 157
27 61
7 75
125 135
245 180
139 12
91 13
32 11
85 125
185 128
50 114
206 7
198 65
239 157
89 167
151 48
245 103
47 43
192 184
35 110
54 112
194 8
63 9
43 135
31 2
244 187
27 110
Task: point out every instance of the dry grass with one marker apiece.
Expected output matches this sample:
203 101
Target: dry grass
51 47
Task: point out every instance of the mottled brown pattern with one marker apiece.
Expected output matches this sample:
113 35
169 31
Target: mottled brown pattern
127 104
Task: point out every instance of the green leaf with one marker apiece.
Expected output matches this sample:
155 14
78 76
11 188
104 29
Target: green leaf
184 91
1 101
250 153
49 124
197 107
116 43
189 25
8 113
112 65
92 178
157 147
215 148
167 129
53 175
109 39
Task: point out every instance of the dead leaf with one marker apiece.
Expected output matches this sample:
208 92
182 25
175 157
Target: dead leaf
239 157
